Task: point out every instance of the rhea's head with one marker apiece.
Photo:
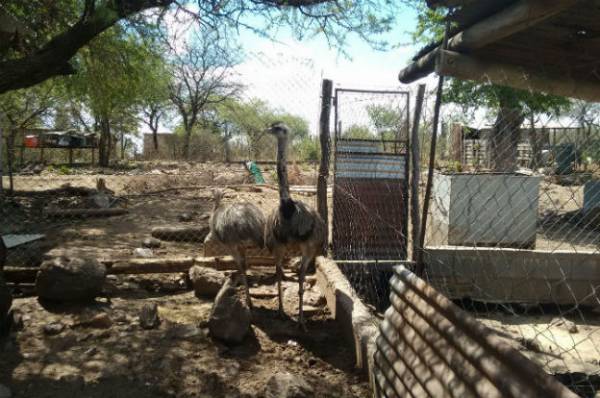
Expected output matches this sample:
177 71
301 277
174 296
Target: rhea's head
278 129
217 196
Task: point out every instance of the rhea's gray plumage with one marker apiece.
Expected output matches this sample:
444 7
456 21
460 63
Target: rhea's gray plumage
236 226
291 223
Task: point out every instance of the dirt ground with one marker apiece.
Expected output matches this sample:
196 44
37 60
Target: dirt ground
178 358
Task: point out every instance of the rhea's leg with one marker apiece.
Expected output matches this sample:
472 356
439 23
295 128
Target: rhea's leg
301 276
279 272
239 255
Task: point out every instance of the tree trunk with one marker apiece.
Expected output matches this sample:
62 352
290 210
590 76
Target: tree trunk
186 142
122 145
534 141
155 138
105 143
10 157
505 137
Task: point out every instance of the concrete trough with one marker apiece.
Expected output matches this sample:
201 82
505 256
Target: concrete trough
591 203
500 275
359 324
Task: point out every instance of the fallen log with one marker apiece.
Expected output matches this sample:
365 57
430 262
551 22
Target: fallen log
224 263
159 265
20 274
82 213
181 233
151 266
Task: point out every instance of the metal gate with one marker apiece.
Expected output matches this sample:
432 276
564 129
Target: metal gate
370 195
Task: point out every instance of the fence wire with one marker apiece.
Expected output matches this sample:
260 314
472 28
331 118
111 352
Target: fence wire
513 232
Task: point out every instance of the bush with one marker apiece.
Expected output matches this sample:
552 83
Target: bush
308 149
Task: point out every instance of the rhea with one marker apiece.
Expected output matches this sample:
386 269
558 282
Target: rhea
292 223
236 226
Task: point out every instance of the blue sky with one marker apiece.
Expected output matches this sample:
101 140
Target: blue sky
361 54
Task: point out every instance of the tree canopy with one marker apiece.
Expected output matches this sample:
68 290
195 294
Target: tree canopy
50 33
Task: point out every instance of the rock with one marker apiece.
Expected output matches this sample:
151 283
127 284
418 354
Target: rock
5 391
230 316
184 217
206 281
143 252
70 279
287 385
53 328
151 243
149 316
101 200
16 320
205 216
566 324
99 321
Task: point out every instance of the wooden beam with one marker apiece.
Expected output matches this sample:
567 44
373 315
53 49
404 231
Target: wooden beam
513 19
471 68
159 265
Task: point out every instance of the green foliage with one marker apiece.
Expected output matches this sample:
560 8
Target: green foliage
387 121
29 107
358 132
308 149
64 170
250 119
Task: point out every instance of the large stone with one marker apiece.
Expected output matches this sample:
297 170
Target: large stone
206 281
70 279
229 319
5 391
287 385
149 316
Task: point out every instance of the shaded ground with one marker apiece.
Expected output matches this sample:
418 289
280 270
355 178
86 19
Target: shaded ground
177 359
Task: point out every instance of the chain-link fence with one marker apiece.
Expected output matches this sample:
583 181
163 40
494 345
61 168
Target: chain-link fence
56 199
512 233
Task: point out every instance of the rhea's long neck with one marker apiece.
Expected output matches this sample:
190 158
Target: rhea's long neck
282 176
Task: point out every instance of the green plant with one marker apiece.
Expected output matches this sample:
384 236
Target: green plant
65 170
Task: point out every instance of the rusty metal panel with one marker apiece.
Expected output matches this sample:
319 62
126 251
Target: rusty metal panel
370 199
428 347
369 219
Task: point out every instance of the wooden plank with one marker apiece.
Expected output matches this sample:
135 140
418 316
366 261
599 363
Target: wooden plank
86 212
470 68
516 18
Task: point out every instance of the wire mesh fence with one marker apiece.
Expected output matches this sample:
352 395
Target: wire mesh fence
513 230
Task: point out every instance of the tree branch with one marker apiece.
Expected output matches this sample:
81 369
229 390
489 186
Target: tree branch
53 58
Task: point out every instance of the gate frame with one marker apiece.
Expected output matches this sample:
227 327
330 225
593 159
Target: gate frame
336 135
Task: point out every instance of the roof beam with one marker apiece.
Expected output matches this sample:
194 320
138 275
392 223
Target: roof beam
467 67
513 19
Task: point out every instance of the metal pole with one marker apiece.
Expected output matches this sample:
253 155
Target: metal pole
420 269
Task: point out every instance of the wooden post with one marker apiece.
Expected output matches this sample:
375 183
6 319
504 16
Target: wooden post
70 157
1 167
416 174
324 135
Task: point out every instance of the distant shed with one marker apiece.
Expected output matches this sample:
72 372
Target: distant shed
551 46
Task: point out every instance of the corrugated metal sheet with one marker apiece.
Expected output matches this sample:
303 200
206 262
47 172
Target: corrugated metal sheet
428 347
369 200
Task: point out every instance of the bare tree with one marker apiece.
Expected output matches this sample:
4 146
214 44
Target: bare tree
202 76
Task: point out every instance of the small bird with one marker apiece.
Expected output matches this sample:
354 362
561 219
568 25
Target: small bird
291 223
236 226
